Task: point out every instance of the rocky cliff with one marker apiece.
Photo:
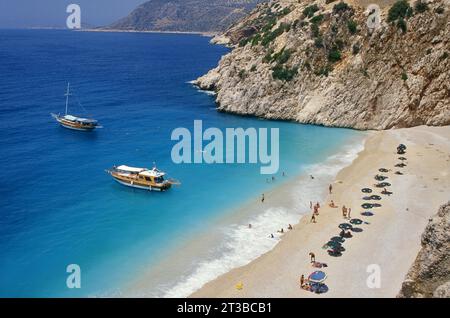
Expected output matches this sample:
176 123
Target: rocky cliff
429 276
185 15
331 63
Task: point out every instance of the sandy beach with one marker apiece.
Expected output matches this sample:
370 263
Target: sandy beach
390 238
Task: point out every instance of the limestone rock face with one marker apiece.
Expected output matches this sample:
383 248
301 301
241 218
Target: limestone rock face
429 276
329 68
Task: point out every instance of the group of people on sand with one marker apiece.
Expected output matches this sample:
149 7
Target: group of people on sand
304 282
346 212
315 209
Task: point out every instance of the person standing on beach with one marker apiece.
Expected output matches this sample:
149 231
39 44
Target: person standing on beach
262 198
313 257
310 204
344 211
313 218
330 188
302 281
349 211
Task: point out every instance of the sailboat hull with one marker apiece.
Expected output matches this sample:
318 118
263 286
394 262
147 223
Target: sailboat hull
73 125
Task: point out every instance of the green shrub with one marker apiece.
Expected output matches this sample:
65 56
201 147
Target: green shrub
420 6
318 42
341 7
439 10
253 68
242 74
317 19
352 26
268 37
401 24
400 9
243 42
284 73
444 56
310 10
323 71
307 65
404 76
315 30
284 12
280 57
339 44
334 55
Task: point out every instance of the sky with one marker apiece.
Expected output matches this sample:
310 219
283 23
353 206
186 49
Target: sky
52 13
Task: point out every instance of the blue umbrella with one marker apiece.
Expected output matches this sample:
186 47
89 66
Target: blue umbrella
317 277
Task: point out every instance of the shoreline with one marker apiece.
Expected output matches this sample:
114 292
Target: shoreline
391 239
224 246
205 34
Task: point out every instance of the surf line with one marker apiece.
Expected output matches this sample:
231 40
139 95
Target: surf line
235 150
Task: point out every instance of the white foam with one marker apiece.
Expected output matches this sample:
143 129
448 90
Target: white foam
241 245
212 93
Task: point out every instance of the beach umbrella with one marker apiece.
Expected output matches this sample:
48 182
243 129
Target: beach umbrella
375 197
356 221
366 190
317 277
402 158
367 206
337 239
345 226
383 170
367 213
333 244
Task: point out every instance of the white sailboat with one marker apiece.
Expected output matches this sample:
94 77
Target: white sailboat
75 122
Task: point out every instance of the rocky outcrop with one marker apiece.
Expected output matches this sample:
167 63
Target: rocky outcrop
429 276
318 62
185 15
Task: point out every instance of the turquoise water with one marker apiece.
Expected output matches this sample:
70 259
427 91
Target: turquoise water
59 207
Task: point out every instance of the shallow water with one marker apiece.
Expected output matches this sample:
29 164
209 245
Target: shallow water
59 207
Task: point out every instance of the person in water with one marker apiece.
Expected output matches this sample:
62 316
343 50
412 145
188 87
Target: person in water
249 225
271 235
289 227
330 188
281 231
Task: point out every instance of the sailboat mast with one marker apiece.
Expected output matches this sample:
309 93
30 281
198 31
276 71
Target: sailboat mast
67 96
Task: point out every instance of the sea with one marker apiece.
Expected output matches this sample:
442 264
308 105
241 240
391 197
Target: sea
58 206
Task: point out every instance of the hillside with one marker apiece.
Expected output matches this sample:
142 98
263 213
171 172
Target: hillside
318 62
185 15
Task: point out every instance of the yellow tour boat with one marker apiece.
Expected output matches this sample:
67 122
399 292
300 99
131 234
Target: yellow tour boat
141 178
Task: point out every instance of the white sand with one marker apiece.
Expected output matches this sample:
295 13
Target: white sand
391 240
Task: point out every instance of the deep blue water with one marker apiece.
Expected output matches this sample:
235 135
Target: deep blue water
59 207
